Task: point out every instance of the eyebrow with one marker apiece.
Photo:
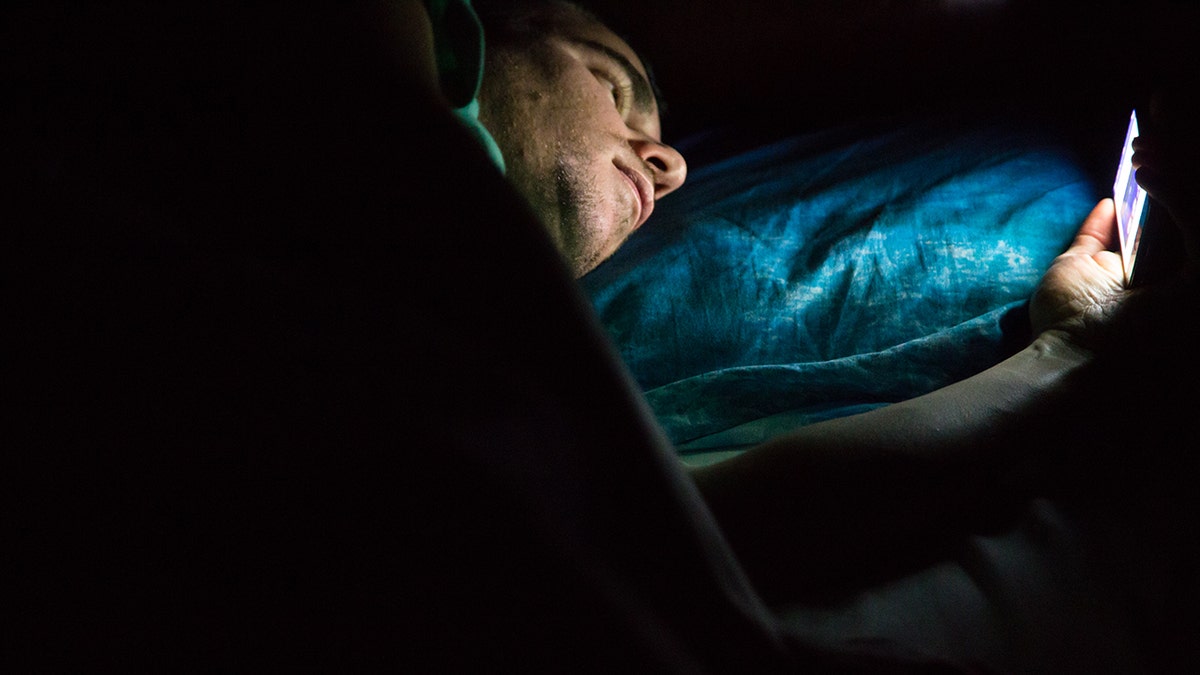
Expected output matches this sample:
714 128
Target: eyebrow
643 95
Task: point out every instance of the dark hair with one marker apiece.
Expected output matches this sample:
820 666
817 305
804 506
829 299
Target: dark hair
516 22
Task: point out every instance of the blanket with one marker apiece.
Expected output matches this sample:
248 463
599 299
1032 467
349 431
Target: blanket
829 273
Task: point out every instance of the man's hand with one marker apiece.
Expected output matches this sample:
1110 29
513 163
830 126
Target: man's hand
1147 337
1081 289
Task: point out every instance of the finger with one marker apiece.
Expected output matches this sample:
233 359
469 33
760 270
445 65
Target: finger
1145 152
1098 232
1144 141
1180 203
1154 182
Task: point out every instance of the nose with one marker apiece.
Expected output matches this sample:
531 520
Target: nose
667 166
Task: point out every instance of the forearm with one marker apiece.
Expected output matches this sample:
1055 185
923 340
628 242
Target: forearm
823 502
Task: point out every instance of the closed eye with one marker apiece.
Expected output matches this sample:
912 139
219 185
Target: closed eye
619 89
633 90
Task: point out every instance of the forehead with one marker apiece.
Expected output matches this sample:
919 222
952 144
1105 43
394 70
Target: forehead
573 24
583 31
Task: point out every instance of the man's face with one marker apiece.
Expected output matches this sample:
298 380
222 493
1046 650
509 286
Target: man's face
577 123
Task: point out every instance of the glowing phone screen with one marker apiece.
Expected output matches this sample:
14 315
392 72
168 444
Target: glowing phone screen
1130 200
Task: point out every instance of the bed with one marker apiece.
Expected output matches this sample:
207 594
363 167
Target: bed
827 273
872 231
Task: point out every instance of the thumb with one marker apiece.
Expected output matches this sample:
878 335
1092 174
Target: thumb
1098 232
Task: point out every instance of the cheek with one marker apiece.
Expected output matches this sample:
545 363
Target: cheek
589 197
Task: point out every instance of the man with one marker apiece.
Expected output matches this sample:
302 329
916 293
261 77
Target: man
303 380
570 106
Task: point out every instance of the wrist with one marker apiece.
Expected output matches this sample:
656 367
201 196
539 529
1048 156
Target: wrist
1061 345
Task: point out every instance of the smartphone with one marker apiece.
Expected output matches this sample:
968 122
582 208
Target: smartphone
1131 202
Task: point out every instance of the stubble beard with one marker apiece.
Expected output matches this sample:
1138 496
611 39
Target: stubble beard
578 200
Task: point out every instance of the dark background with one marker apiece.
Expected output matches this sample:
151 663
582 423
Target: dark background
1078 67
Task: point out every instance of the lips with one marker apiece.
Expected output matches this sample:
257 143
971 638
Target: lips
644 192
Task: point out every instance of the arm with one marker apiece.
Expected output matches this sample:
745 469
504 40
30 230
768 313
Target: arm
868 494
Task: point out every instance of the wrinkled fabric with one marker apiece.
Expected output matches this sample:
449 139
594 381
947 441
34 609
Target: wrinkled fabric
831 273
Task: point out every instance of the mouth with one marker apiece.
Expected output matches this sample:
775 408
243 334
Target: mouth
643 192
